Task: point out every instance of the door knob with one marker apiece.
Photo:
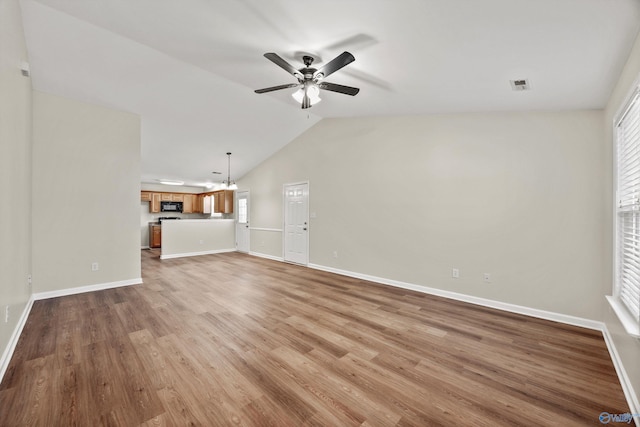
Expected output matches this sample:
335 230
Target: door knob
305 229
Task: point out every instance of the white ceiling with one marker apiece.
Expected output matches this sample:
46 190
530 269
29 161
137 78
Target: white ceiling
189 67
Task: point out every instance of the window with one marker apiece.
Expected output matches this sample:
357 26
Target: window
210 207
242 210
626 300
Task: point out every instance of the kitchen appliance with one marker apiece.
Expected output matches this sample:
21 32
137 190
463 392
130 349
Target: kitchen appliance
170 206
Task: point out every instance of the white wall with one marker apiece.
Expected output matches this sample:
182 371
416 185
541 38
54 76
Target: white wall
86 193
517 195
628 348
15 172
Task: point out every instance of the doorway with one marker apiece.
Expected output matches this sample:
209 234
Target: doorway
242 223
296 223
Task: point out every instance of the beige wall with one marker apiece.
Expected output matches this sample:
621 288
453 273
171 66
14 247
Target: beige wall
516 195
86 193
15 171
628 348
197 236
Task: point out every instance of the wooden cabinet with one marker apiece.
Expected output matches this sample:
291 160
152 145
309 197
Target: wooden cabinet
189 203
223 201
198 204
154 206
155 235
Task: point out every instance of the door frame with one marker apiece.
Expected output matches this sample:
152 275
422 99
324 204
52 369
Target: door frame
284 223
236 199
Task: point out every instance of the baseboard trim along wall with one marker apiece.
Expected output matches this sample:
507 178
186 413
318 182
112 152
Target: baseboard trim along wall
88 288
13 341
625 382
627 388
260 255
513 308
186 254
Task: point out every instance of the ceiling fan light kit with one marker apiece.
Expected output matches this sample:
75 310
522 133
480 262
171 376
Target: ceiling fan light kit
311 80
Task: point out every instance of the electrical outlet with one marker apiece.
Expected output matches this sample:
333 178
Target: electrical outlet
29 282
6 314
202 242
486 277
335 254
95 266
455 273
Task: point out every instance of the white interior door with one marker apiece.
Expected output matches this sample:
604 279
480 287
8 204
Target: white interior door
242 221
296 220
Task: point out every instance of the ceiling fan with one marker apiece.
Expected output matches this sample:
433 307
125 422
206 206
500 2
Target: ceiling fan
311 80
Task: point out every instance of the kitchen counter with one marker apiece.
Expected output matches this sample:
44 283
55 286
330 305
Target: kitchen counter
191 237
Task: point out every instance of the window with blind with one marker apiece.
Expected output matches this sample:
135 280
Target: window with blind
626 301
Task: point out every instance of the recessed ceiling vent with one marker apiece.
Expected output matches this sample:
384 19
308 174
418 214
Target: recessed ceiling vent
521 84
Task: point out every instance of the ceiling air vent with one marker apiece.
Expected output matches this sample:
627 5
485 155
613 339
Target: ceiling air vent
522 84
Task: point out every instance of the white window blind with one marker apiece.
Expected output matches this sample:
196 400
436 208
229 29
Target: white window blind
627 286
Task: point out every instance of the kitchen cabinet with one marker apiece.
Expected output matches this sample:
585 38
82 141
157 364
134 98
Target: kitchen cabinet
223 201
189 203
198 204
155 235
154 206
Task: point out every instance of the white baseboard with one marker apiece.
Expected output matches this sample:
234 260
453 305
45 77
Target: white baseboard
13 341
513 308
186 254
625 381
88 288
261 255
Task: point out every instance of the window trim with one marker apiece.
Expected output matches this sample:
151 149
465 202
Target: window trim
624 314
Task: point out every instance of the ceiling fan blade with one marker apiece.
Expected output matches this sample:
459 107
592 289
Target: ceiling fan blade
347 90
271 89
345 58
273 57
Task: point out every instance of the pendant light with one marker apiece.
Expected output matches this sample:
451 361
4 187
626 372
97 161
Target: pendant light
228 184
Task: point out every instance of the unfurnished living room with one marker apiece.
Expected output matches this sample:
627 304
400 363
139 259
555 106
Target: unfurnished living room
291 213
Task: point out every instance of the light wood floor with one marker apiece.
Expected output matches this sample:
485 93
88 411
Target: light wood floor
231 339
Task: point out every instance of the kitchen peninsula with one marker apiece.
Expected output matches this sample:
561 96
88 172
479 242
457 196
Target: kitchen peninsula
190 237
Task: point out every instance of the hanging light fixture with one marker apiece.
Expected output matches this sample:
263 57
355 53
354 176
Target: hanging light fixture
312 92
228 184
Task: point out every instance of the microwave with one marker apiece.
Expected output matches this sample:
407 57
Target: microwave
170 206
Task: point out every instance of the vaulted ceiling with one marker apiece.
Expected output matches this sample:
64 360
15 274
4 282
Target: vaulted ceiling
189 67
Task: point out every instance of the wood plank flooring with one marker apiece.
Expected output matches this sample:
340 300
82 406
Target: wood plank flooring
232 339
